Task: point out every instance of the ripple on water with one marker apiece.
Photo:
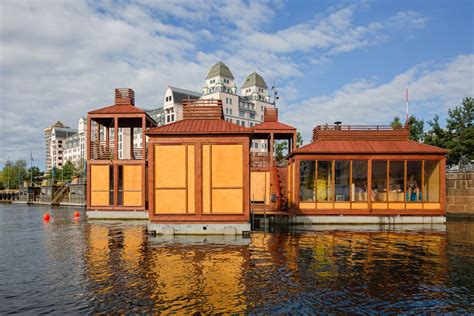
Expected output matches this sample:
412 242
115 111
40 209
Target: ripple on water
93 267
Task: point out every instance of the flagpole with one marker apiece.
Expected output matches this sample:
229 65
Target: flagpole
406 98
31 168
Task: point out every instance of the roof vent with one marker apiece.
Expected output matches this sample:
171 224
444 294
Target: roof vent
124 96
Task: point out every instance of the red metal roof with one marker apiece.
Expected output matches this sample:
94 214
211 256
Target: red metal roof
368 147
118 109
200 126
273 126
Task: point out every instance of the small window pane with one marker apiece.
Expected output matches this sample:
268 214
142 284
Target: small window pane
359 180
307 169
413 181
341 180
324 182
431 186
396 180
379 180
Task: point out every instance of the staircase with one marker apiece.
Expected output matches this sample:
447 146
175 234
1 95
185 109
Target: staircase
59 194
279 176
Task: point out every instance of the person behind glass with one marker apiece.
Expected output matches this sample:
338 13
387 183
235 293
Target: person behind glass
413 188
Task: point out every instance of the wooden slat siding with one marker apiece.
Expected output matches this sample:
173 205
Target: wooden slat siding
270 115
201 102
124 96
202 112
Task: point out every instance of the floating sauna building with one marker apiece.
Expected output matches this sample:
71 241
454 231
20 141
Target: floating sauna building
199 174
369 174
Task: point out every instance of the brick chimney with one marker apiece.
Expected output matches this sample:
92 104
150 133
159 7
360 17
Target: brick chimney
270 115
124 96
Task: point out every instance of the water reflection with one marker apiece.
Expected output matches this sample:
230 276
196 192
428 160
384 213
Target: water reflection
326 271
93 267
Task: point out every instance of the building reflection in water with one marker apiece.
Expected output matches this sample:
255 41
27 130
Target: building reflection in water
326 271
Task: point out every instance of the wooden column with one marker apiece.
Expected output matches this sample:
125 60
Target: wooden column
297 183
132 156
115 167
116 138
144 163
98 133
293 143
107 138
369 184
88 137
143 138
442 187
271 149
88 166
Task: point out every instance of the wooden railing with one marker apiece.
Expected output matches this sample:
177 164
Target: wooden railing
102 151
328 127
259 160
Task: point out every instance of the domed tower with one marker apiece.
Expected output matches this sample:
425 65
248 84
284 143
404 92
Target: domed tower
255 88
219 79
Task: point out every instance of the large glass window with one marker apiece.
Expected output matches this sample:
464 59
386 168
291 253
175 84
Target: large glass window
396 181
413 181
359 181
307 170
431 185
342 179
379 180
324 192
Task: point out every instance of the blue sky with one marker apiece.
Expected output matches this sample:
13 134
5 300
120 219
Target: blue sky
347 61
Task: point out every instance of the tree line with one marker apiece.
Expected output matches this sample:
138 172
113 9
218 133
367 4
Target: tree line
457 136
15 173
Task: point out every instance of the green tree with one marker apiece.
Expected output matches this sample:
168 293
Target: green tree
416 127
299 140
436 136
458 136
37 174
460 127
280 147
396 123
68 171
13 174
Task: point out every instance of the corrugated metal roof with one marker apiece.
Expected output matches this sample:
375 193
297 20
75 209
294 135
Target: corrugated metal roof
118 108
200 126
368 147
273 126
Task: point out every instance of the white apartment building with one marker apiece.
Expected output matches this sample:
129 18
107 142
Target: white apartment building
55 137
172 106
245 109
75 148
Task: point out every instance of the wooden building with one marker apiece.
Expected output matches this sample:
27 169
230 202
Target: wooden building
116 186
366 171
199 172
268 176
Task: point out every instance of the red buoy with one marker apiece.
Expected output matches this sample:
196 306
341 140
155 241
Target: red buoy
46 217
77 214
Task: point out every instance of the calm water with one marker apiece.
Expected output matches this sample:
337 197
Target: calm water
95 267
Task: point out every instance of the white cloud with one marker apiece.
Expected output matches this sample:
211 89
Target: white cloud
433 90
60 59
